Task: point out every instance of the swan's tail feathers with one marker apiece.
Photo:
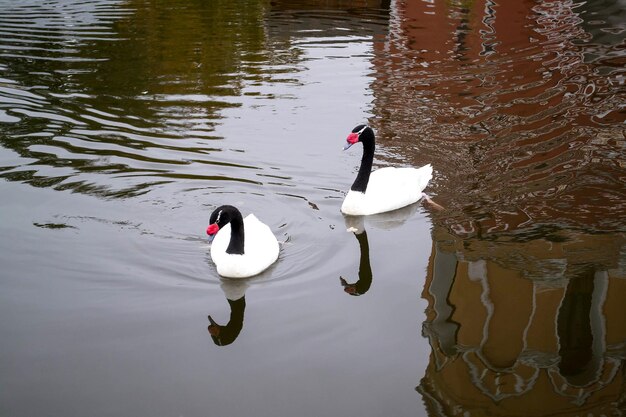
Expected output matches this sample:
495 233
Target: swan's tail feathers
425 175
432 203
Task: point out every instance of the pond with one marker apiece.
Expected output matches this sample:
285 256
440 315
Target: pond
123 124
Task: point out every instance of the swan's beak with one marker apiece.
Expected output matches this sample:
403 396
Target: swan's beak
351 140
212 231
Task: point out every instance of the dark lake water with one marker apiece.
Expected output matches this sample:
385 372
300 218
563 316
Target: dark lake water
123 124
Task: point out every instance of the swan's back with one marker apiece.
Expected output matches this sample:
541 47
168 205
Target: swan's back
388 189
260 250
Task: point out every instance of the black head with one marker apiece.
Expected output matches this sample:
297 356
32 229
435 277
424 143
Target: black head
359 128
220 217
361 133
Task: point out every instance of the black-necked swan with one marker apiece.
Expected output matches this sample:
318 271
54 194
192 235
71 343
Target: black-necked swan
386 188
240 247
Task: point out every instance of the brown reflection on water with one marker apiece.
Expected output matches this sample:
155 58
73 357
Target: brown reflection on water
519 107
528 329
511 103
337 5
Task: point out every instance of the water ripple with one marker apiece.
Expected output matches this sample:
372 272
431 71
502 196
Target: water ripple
514 133
97 109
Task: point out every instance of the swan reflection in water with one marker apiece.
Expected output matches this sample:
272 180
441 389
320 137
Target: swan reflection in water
365 270
234 290
356 225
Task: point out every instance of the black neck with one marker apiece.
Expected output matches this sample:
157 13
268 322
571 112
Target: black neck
236 245
363 177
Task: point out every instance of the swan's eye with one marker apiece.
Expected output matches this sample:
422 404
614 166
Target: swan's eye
212 229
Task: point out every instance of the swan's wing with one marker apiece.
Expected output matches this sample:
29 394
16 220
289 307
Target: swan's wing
392 188
259 239
394 179
260 250
388 189
424 175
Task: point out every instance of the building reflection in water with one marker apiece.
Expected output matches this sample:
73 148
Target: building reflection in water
531 328
518 107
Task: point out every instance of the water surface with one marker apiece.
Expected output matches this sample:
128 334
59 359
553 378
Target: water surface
123 124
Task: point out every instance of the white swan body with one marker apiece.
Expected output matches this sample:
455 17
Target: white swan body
260 250
388 189
385 189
